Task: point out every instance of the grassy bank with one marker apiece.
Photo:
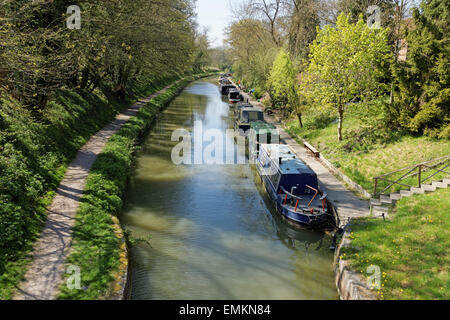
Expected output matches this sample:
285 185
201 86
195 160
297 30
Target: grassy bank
362 161
412 250
34 153
95 246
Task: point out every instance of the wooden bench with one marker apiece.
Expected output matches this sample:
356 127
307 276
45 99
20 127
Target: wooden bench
312 149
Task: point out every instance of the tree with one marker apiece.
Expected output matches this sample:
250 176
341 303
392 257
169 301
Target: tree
253 52
346 63
283 84
269 11
423 95
303 19
118 42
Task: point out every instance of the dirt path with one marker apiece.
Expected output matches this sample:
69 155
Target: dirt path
44 274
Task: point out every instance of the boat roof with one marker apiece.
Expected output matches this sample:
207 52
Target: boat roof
262 125
290 164
244 105
295 166
252 109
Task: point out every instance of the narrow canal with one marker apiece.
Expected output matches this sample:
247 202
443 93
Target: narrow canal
214 235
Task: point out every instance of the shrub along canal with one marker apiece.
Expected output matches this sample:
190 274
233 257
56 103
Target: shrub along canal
213 232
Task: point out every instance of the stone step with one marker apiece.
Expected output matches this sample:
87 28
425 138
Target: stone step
417 190
406 193
428 187
385 199
378 211
439 184
375 202
396 196
447 181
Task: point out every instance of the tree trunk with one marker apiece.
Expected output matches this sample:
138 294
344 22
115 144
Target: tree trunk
84 78
300 122
341 119
391 97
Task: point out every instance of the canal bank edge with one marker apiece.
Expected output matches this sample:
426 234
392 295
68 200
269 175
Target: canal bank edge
350 285
120 287
98 234
358 189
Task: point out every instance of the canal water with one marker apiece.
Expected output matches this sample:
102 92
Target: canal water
212 234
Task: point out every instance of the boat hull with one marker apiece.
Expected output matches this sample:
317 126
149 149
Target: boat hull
294 217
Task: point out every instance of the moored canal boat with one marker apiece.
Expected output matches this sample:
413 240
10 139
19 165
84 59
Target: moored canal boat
261 133
246 117
292 186
224 81
241 105
234 96
225 88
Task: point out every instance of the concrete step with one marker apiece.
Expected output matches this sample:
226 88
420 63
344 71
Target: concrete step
385 199
447 181
439 184
375 202
396 196
406 193
417 190
379 211
428 187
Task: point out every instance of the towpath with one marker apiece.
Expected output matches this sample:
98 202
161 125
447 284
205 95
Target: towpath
45 273
347 204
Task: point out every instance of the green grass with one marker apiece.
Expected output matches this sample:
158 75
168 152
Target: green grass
412 250
95 246
33 159
363 163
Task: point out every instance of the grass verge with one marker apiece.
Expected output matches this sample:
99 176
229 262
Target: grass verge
412 249
95 248
363 164
34 155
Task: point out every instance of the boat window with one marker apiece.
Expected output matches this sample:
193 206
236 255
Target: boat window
275 178
255 116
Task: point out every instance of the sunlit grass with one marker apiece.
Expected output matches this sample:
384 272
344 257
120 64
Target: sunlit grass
95 246
412 250
363 166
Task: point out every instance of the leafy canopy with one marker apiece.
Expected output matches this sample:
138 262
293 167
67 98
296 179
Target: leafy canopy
347 63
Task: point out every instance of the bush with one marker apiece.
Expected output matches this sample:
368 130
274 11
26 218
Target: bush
33 158
94 239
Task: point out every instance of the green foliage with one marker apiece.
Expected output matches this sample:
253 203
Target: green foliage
423 95
411 249
282 82
346 65
253 51
118 42
33 158
95 247
368 154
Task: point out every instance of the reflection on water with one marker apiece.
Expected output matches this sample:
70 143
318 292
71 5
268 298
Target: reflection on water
213 233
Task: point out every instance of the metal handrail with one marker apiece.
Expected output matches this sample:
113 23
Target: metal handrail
408 174
414 166
292 195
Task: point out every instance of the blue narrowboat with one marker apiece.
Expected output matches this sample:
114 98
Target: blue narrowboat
292 186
